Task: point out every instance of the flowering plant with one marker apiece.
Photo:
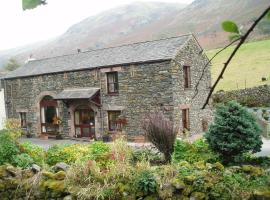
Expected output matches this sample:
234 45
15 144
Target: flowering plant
57 120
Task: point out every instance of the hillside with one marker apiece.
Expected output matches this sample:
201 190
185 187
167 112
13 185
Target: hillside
250 64
147 21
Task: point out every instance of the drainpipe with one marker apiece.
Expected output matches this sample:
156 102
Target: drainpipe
101 110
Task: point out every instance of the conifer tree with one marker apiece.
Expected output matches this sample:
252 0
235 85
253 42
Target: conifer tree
233 132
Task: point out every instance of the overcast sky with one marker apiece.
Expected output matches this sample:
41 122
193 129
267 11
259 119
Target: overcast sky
20 27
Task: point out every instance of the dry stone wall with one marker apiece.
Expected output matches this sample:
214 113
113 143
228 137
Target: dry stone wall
17 184
250 97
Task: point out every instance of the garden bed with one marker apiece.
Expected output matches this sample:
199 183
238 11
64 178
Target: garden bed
118 171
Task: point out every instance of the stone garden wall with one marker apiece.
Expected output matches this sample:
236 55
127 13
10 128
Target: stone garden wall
32 184
256 98
250 97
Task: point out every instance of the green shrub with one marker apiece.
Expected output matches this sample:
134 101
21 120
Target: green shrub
233 132
145 182
193 152
54 154
147 154
100 152
13 127
68 153
87 180
8 148
36 152
22 160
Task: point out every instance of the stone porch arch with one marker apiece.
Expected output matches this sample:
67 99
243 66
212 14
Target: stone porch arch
71 109
37 108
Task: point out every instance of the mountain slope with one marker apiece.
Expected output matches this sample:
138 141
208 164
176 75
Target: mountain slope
146 21
252 61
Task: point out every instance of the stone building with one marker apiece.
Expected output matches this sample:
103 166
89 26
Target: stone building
100 91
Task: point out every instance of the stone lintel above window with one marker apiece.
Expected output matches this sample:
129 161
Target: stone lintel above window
21 110
184 106
111 69
112 107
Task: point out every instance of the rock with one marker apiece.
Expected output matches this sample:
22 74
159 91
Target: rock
190 179
254 171
261 195
61 175
3 171
35 168
69 197
178 184
235 168
13 171
54 185
48 175
200 165
218 166
27 173
61 167
197 196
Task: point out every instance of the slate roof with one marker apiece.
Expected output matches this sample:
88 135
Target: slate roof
77 93
156 50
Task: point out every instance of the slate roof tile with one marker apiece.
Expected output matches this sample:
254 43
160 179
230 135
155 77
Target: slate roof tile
156 50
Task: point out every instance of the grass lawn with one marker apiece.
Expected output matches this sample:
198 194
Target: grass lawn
250 64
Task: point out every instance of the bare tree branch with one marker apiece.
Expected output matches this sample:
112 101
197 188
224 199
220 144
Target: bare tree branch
206 65
242 40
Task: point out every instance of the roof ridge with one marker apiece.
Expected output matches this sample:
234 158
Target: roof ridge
92 50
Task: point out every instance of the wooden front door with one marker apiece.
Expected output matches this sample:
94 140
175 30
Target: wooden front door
84 122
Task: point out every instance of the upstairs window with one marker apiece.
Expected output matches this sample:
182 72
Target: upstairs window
112 82
113 117
187 80
185 119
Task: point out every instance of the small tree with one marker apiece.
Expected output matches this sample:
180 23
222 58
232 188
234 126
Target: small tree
233 132
12 65
161 133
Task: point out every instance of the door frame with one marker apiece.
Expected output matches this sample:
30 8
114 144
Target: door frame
81 126
43 104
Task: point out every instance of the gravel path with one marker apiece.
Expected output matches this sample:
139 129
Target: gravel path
265 151
50 142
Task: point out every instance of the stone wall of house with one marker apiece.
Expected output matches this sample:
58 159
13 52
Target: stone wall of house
191 55
142 88
251 97
26 93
